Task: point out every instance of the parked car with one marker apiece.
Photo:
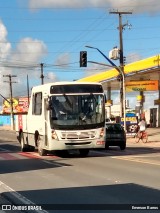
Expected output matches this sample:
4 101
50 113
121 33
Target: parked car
115 135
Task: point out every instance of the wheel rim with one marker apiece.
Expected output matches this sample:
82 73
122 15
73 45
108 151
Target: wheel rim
41 151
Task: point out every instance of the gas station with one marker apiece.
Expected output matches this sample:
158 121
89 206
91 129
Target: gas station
140 76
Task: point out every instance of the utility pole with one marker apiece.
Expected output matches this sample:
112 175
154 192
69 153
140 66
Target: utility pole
42 76
121 58
11 99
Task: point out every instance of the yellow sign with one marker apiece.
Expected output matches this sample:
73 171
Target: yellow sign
141 86
20 105
131 119
7 102
139 97
109 103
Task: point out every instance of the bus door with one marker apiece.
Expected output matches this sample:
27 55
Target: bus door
46 120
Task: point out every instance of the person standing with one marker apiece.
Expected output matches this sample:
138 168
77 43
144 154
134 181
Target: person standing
142 128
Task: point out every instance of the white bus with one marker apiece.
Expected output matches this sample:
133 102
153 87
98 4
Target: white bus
63 116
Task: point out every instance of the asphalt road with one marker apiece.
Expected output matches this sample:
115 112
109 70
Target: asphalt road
105 181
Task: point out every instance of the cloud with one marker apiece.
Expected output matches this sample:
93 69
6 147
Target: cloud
28 49
132 57
64 3
137 6
95 69
51 77
63 60
5 46
19 61
26 55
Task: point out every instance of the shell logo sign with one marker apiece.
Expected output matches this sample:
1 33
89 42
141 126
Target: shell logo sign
7 102
135 86
7 105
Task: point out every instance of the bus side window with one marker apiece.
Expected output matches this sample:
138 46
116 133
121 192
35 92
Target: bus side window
33 103
37 106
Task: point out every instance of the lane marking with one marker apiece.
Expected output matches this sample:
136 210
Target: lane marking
148 155
110 153
137 160
4 189
7 156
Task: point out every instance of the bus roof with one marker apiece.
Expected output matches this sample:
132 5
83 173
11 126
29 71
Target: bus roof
46 87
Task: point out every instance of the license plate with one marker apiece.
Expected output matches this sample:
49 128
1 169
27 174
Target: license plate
114 136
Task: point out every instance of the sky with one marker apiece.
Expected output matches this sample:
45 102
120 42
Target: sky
53 32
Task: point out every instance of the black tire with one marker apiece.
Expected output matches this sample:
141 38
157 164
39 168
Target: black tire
106 146
62 153
41 151
31 148
84 152
123 146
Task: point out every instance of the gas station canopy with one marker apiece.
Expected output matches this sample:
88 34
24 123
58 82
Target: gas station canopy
146 69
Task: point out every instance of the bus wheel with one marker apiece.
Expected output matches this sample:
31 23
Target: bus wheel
24 147
83 152
41 151
31 148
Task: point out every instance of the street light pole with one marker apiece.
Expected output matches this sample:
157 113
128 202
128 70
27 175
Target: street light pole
121 58
123 90
111 62
121 62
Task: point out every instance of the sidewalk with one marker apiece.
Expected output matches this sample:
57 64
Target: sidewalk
5 128
153 137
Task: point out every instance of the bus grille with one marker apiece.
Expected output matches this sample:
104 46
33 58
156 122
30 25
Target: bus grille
78 135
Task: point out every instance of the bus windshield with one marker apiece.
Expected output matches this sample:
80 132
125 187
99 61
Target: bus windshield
77 111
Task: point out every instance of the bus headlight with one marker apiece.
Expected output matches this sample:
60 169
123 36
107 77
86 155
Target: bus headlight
54 135
102 132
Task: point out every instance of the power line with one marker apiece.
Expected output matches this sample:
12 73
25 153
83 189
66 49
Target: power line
77 38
